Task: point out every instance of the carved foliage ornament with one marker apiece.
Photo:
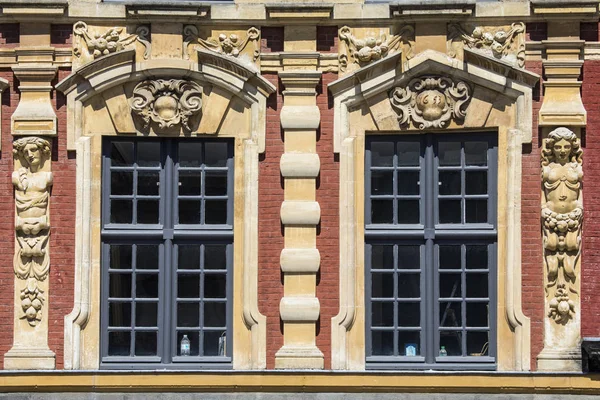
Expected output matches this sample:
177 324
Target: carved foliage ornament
371 48
229 45
498 42
32 227
101 44
430 102
562 217
167 102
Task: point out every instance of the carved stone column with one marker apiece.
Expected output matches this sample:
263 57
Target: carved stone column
32 179
300 215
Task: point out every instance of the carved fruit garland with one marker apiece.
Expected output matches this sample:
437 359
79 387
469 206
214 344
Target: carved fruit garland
102 44
167 102
430 102
229 45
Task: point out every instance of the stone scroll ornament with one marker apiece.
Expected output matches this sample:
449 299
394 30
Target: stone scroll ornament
497 42
32 227
363 51
562 217
431 102
229 45
167 102
111 41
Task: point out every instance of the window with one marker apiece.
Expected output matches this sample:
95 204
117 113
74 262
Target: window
167 235
430 251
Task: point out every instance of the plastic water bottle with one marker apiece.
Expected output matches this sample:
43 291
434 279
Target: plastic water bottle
443 352
185 346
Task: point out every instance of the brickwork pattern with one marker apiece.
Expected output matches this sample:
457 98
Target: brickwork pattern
9 35
327 39
61 35
536 31
271 39
532 261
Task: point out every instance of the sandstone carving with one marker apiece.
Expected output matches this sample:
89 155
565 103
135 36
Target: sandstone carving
229 45
167 102
562 216
430 102
108 42
499 43
32 226
362 51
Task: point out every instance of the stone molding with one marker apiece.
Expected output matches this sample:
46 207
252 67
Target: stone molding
229 45
300 165
300 212
34 114
237 96
300 260
299 309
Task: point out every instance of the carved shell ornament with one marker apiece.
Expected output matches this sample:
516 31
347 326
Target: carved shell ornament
431 102
101 44
167 102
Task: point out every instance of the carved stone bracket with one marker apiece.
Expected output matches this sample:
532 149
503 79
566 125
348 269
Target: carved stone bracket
231 45
111 41
167 102
431 102
562 217
500 43
360 52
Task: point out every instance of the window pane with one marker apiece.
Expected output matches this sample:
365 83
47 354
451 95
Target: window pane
189 211
147 257
477 314
450 314
409 314
121 183
476 153
476 182
119 314
478 344
382 343
382 257
215 211
119 285
121 154
452 342
382 154
148 154
119 343
215 256
188 256
188 286
194 339
382 182
146 285
120 256
215 154
408 211
148 183
215 286
477 257
409 343
450 182
409 285
408 182
449 153
188 315
190 154
147 211
212 343
121 211
215 314
477 285
146 314
190 183
449 257
476 211
409 257
382 211
382 285
408 154
145 343
382 313
450 285
450 212
215 183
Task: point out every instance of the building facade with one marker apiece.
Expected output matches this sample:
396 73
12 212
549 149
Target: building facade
346 198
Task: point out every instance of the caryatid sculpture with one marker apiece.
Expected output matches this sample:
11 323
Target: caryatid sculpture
562 216
32 226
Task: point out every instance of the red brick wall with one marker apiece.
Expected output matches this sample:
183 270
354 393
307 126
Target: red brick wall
590 276
328 232
270 234
61 35
532 262
9 35
327 39
7 218
536 31
271 39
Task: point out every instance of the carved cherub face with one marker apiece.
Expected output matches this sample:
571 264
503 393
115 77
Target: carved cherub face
562 151
32 153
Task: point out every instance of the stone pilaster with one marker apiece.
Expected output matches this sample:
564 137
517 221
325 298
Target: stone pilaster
300 214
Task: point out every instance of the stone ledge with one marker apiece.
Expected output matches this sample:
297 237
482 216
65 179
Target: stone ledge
300 260
299 309
300 212
300 165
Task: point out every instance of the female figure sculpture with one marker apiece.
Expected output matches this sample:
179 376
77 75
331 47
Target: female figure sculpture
562 215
